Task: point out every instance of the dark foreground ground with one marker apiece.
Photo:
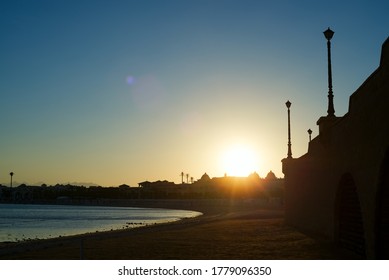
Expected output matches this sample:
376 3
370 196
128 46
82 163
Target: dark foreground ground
225 231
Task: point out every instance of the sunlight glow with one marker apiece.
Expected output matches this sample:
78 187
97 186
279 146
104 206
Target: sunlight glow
239 161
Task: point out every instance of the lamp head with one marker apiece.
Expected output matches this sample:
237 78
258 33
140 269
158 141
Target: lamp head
328 34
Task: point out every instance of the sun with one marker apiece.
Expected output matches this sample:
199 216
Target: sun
239 161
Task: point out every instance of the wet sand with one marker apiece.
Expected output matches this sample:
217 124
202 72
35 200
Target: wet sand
238 230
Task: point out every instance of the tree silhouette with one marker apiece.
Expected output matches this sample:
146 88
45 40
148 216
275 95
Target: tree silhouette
182 177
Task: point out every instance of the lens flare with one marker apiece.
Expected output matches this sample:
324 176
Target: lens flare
130 80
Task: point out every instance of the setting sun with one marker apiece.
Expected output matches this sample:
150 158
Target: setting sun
239 161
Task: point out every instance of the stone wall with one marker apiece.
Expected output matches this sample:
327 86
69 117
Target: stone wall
334 189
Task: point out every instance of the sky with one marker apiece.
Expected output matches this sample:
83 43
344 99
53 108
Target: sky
119 92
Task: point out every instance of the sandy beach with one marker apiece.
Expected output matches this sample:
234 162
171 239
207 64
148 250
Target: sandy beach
226 230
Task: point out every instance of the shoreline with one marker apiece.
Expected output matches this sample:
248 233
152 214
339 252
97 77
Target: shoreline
202 206
227 230
36 222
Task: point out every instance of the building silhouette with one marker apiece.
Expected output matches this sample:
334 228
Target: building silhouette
340 187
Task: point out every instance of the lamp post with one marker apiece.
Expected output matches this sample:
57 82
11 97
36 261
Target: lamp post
310 133
288 104
331 111
11 174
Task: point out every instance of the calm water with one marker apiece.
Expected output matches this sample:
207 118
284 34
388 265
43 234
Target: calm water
23 221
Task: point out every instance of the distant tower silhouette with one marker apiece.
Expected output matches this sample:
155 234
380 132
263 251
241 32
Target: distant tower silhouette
331 111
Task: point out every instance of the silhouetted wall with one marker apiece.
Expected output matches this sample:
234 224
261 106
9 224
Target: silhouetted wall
339 188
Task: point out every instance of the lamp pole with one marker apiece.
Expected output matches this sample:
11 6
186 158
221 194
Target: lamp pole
11 174
310 134
288 104
331 111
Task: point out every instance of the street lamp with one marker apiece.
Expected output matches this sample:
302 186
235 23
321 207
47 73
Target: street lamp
331 111
310 133
11 174
288 104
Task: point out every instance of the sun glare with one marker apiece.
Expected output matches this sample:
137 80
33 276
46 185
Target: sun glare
239 161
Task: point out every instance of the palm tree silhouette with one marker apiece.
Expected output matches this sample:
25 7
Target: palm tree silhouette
182 177
187 178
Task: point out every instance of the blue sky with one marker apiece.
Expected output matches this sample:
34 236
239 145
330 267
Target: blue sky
116 92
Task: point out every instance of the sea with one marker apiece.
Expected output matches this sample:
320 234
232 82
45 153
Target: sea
22 222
